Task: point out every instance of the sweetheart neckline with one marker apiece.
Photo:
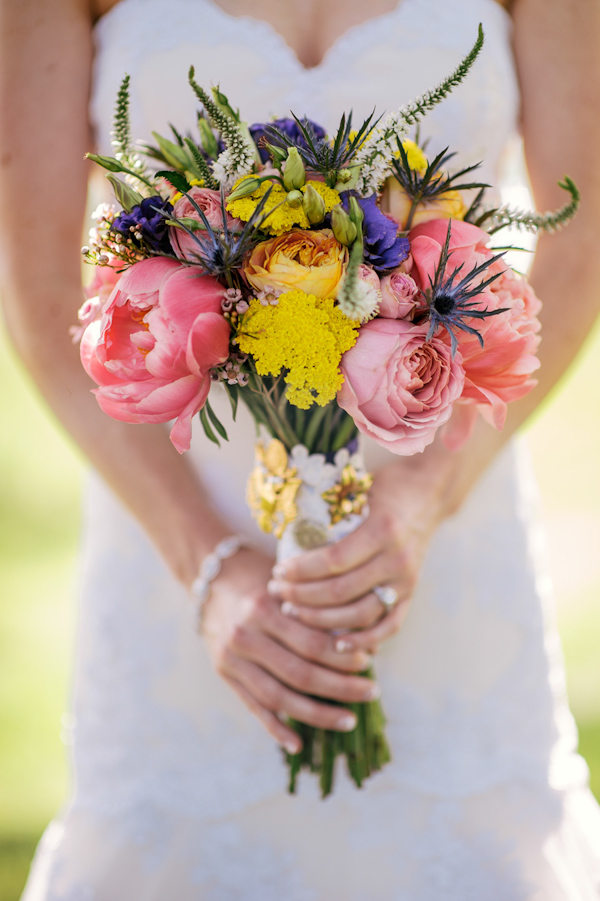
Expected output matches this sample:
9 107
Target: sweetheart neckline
338 45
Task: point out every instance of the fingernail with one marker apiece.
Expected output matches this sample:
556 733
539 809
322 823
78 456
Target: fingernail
278 570
342 646
274 587
288 609
373 693
347 723
291 747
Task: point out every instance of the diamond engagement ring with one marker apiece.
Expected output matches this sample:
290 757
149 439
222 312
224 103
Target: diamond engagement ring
387 595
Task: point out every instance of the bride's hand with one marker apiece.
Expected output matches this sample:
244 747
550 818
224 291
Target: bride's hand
273 662
331 588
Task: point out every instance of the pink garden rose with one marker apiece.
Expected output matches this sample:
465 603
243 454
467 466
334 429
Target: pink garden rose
368 275
151 353
209 202
501 371
400 296
399 387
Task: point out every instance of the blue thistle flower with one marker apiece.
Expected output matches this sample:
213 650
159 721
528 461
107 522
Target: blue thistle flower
451 302
222 251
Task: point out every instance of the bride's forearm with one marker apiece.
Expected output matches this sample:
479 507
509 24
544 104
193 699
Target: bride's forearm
45 69
159 486
566 277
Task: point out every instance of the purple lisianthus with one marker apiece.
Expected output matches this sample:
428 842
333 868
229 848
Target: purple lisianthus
289 127
146 219
384 248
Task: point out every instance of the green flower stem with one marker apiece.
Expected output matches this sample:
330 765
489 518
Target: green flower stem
344 433
326 428
313 429
268 403
365 748
413 208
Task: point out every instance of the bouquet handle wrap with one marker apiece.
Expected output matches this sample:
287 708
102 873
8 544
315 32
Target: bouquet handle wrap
309 500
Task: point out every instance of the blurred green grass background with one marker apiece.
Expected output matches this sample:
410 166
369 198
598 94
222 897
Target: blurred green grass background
41 478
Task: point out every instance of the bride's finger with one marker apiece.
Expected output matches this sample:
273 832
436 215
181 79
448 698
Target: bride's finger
303 676
370 639
279 699
282 734
314 644
355 549
360 614
348 587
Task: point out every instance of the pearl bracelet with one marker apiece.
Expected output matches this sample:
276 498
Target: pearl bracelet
209 570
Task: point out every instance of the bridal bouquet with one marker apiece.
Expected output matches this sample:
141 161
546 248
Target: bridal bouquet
335 285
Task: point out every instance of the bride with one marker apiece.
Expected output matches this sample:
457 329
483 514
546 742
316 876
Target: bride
179 784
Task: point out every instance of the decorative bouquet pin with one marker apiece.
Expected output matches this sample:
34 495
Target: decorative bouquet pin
335 285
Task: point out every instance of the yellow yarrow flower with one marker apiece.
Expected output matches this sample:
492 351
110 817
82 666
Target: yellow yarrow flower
303 334
285 217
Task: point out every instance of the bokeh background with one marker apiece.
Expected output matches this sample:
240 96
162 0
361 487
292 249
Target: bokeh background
41 477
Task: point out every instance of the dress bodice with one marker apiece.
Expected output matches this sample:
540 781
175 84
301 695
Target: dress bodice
382 63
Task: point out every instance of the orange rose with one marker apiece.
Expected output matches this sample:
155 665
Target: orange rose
310 261
396 202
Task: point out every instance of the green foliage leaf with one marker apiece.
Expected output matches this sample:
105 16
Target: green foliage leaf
216 421
233 395
174 154
207 429
176 179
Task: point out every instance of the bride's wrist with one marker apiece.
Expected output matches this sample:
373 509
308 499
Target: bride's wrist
437 481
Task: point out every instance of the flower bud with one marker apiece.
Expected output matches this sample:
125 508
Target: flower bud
224 105
126 195
356 213
313 205
295 199
277 154
343 227
187 221
246 186
207 139
294 174
347 179
107 162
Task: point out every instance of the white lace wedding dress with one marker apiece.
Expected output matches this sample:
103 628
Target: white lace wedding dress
179 794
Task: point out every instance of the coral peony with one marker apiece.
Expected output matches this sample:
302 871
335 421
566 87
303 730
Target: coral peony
184 246
160 333
97 293
398 387
311 261
500 371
